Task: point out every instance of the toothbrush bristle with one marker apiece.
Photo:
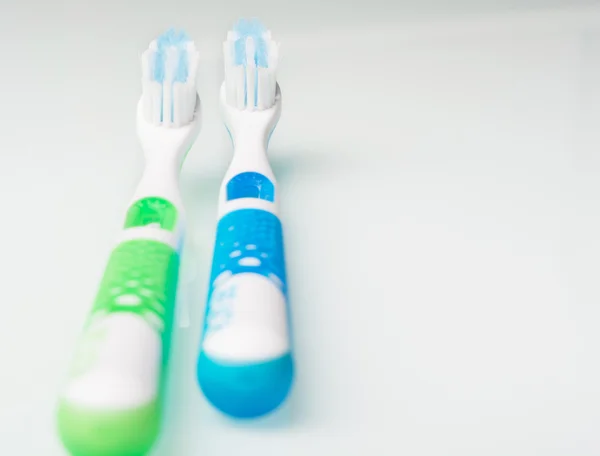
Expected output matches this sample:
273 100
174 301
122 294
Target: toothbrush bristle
251 58
169 72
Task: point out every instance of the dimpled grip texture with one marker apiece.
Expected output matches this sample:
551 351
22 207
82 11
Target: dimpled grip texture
140 278
249 233
248 241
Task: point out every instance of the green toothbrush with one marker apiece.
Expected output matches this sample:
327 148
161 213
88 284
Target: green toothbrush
111 403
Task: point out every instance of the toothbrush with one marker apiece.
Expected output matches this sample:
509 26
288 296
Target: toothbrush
111 404
245 366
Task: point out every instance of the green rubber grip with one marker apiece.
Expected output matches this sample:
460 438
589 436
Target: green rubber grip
141 279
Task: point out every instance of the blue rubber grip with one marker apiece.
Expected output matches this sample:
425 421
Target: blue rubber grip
254 233
247 390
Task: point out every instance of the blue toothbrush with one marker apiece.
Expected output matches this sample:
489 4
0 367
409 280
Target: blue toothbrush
245 366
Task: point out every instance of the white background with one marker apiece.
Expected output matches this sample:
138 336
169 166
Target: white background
440 183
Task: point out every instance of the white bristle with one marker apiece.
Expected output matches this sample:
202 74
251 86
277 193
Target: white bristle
230 93
181 113
147 101
167 97
248 87
263 88
273 57
156 89
170 103
178 92
239 85
145 65
250 75
272 86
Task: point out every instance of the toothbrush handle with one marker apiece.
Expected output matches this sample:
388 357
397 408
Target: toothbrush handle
245 366
112 398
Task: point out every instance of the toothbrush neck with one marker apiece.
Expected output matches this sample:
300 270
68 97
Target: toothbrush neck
160 178
162 170
250 151
250 157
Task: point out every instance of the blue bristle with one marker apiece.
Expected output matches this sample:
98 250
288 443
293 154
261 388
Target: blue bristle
179 40
251 28
171 38
181 74
254 29
158 64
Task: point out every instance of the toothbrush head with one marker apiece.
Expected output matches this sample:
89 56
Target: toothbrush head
251 58
169 73
168 113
